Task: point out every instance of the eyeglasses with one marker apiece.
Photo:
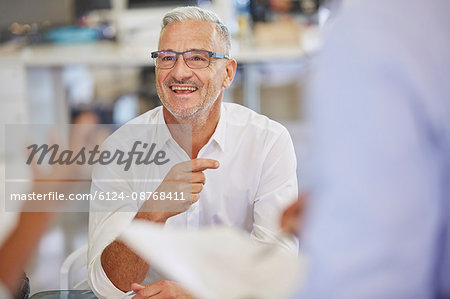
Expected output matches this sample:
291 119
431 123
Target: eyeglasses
196 59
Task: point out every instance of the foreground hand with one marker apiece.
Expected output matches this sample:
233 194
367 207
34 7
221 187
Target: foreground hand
186 180
162 289
292 217
59 177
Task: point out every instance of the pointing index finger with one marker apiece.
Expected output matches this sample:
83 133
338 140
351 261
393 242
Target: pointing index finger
201 164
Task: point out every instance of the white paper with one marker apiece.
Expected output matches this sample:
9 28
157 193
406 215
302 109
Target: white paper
217 262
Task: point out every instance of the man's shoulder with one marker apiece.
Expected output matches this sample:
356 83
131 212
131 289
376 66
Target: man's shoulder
245 118
149 117
135 129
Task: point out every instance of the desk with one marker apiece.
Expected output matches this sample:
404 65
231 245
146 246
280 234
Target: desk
72 294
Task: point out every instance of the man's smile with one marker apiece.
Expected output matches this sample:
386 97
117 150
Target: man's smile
183 89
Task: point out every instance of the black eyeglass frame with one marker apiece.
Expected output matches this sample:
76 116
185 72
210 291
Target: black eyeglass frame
155 54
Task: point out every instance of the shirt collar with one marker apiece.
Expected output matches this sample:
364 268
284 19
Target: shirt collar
163 133
164 136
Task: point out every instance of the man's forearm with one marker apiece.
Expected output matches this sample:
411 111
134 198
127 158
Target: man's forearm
122 266
157 217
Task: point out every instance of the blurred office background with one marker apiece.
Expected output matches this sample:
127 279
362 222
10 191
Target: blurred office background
59 58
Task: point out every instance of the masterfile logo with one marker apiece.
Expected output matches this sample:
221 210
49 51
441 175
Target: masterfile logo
53 168
146 156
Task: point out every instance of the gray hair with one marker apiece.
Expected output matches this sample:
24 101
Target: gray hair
196 13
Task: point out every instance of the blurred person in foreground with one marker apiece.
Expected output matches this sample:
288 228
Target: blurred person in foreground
240 166
20 233
22 239
377 220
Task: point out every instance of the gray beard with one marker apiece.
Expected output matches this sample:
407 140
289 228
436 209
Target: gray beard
196 116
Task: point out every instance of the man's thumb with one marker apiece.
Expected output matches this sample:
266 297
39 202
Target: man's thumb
136 287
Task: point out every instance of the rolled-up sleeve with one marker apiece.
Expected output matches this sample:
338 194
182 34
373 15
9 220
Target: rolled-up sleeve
276 191
107 220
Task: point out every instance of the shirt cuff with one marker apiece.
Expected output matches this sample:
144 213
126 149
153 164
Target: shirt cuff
288 243
100 284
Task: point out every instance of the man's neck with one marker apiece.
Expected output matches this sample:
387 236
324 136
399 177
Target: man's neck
200 129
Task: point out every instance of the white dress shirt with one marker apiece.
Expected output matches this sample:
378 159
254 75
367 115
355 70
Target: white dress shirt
255 182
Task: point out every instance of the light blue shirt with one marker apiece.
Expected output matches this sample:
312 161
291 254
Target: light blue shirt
377 222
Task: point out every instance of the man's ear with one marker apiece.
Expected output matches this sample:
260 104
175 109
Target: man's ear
230 72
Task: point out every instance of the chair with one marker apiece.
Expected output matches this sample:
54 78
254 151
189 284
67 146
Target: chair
73 273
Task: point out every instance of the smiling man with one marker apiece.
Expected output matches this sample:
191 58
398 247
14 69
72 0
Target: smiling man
239 166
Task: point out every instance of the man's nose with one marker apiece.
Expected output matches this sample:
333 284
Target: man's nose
180 70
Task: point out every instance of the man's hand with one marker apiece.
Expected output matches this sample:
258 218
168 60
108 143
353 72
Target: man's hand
186 180
292 217
121 264
162 289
